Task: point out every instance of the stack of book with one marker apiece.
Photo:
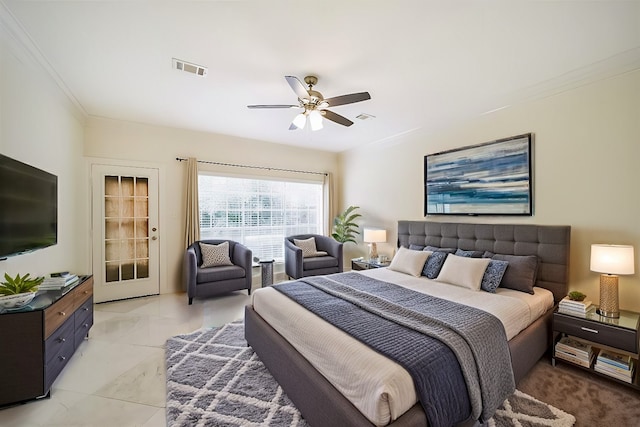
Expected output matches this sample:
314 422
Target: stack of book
58 281
577 308
615 365
575 351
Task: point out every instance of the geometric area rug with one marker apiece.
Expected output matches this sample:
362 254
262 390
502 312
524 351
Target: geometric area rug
215 379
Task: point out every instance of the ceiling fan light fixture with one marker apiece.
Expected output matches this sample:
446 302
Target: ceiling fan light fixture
299 121
315 120
314 104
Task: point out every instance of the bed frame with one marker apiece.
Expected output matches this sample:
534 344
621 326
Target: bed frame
322 405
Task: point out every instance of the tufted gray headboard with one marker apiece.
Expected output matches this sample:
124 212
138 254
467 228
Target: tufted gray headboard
549 242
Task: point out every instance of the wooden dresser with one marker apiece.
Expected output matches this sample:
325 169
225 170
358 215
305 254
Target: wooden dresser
37 341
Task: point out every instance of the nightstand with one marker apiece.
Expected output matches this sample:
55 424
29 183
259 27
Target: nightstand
366 264
603 333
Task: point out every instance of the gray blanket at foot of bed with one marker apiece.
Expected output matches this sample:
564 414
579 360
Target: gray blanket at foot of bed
457 355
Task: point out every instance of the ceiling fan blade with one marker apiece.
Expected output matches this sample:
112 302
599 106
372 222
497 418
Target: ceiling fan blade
341 120
273 106
297 86
348 99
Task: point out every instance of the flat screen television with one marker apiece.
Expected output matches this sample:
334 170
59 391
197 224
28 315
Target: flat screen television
28 208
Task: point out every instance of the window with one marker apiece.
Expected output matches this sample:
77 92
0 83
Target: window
258 213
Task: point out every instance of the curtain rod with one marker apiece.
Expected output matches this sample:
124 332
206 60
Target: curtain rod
254 167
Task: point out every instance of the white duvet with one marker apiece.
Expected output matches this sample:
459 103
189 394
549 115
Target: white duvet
380 388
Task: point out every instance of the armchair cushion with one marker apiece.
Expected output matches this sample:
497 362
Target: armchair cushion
308 247
215 255
216 274
314 263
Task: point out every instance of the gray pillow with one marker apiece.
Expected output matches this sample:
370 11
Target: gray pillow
215 255
437 249
469 254
493 275
434 264
416 247
521 273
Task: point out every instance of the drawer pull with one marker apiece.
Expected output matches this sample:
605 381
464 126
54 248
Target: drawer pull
86 325
62 358
62 313
85 308
86 292
62 340
589 330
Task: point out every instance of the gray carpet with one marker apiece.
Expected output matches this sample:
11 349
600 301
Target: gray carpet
215 379
594 400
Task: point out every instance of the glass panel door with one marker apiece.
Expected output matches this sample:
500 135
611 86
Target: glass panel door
128 250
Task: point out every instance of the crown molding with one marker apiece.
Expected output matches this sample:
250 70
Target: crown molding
28 53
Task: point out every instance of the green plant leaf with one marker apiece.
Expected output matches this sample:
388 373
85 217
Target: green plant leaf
19 285
344 226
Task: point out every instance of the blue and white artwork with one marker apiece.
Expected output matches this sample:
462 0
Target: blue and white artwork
487 179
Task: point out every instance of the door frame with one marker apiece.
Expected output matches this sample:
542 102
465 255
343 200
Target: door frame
162 221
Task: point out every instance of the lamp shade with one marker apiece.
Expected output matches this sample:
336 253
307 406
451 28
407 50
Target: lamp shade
300 121
374 235
612 259
315 119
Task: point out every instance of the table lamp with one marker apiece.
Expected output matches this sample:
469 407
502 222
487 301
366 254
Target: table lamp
373 236
611 260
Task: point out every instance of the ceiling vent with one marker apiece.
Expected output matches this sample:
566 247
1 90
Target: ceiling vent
188 67
365 116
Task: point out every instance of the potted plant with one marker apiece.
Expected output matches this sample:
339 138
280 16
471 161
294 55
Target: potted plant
576 296
18 291
344 227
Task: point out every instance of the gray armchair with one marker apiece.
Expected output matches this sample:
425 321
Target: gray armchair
296 266
211 281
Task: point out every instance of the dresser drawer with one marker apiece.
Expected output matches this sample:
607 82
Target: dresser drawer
82 328
57 342
57 314
612 336
85 310
55 365
82 293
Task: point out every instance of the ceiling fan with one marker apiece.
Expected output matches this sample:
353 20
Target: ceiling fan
315 105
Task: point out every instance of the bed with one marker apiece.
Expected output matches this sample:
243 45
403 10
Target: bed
319 400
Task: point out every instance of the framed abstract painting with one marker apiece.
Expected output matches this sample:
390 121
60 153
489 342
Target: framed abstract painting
493 178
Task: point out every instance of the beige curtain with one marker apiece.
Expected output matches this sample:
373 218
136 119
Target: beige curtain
328 210
192 223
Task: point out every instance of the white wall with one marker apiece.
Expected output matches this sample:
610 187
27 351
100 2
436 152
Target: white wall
586 172
157 146
41 127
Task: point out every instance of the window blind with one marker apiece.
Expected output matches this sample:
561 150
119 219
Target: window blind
258 213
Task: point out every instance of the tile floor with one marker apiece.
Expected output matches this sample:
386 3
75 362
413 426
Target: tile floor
117 376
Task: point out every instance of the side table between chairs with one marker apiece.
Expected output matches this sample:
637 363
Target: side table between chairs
266 271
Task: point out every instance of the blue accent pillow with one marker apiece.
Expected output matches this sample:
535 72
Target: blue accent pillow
493 275
469 254
434 264
416 247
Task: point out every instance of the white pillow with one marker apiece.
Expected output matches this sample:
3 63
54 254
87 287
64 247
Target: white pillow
409 262
308 247
463 271
215 255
